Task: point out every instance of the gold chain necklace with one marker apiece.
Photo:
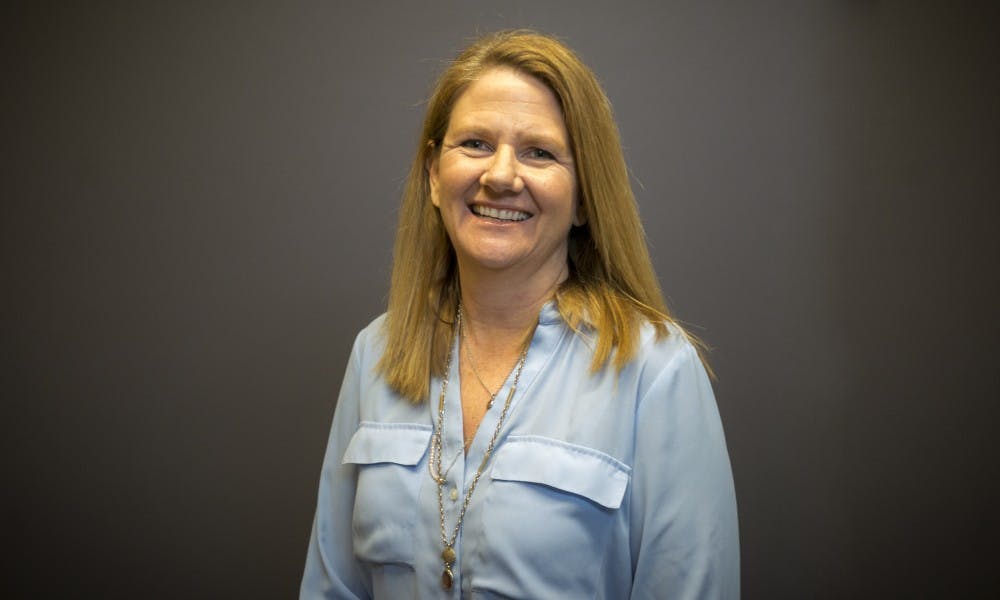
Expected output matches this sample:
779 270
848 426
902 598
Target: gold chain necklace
475 371
448 554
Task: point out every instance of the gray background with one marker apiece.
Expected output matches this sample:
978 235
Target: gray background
198 207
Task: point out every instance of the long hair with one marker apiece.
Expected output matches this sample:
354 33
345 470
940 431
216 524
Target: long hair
611 290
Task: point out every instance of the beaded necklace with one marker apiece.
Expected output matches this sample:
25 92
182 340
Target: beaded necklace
434 462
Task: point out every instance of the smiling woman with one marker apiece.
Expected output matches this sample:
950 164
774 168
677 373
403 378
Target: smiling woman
520 274
505 183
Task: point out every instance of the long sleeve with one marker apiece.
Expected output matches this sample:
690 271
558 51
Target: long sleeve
331 569
625 472
684 531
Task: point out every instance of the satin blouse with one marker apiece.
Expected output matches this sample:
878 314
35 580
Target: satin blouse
602 485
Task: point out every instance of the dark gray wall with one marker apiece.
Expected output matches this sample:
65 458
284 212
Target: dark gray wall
198 207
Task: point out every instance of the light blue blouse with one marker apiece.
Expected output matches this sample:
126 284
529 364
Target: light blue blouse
601 485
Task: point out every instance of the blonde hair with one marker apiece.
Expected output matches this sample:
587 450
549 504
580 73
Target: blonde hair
611 288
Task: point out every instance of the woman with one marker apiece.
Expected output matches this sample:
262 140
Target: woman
526 421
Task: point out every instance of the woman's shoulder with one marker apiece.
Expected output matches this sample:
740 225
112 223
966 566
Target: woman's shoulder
666 348
370 341
664 341
374 328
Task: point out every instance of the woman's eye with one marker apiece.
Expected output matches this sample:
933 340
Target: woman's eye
538 153
474 145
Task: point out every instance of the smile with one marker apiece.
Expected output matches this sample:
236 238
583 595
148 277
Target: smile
499 214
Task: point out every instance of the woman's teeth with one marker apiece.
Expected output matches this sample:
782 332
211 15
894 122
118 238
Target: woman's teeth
502 214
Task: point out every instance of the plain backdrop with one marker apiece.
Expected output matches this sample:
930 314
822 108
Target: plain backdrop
198 205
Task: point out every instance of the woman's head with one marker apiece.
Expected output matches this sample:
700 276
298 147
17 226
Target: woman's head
611 285
604 193
503 180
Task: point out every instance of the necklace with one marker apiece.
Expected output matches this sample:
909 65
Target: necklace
448 554
475 371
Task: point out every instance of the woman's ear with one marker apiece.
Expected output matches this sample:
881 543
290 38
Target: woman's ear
580 216
431 166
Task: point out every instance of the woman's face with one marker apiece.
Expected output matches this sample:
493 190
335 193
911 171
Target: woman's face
504 178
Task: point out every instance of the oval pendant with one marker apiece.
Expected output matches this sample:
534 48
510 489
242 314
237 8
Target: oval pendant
447 578
448 555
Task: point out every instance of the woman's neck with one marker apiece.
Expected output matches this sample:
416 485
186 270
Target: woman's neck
504 310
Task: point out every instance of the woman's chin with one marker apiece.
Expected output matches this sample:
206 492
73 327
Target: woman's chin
491 264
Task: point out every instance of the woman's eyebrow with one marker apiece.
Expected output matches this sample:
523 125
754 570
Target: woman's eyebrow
543 140
528 137
469 130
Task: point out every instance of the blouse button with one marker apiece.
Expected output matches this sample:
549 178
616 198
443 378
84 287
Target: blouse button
454 494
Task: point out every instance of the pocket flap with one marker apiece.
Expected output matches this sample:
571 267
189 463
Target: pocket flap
400 443
575 469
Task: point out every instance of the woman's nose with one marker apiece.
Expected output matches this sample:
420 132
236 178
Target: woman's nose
502 173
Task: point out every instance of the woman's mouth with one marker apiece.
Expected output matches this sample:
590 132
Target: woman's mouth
500 214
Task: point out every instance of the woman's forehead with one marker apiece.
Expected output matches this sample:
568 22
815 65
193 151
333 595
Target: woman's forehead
504 99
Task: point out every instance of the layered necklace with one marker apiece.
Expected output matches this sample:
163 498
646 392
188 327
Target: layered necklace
434 462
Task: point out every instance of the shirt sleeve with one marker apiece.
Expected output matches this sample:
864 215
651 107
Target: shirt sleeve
331 569
684 532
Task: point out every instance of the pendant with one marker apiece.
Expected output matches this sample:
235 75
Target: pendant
447 577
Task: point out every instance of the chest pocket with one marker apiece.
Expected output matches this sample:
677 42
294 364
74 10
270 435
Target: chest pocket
389 457
548 513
